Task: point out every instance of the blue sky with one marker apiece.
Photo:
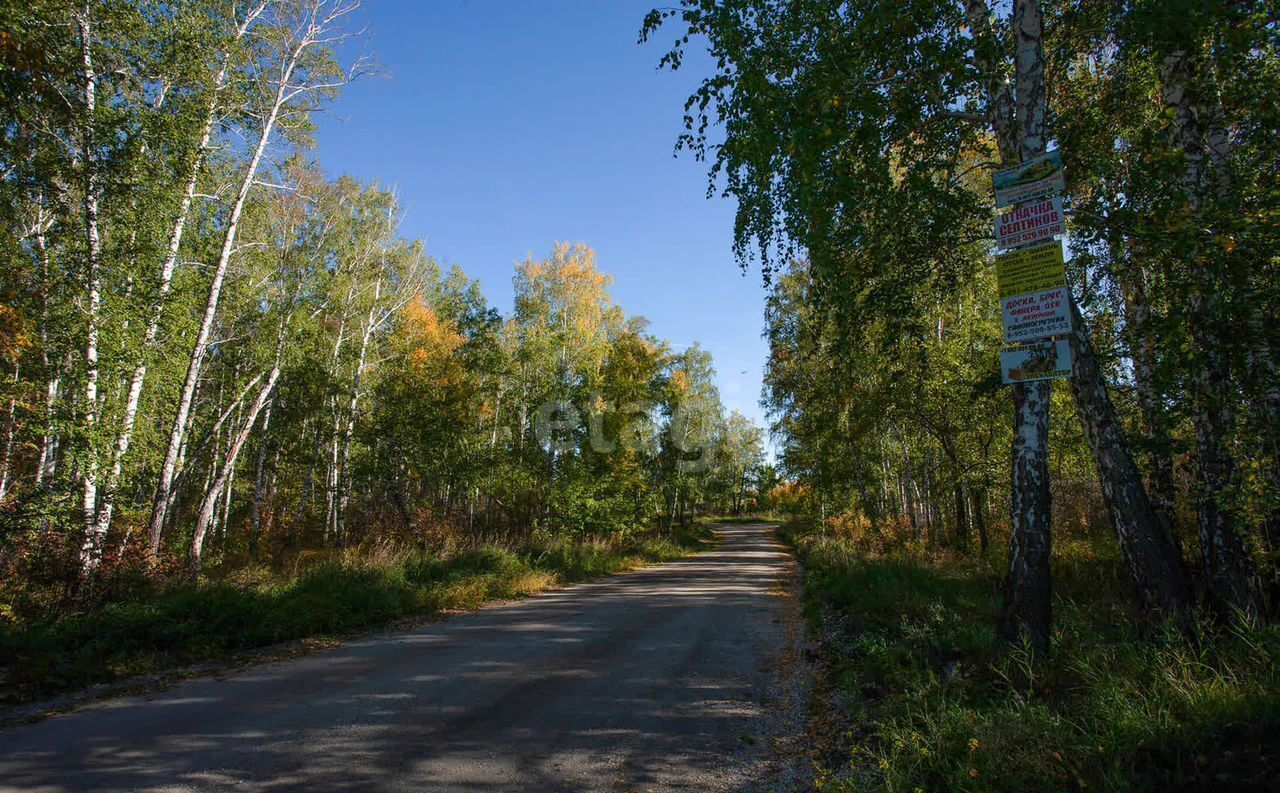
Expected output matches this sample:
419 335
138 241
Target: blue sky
505 126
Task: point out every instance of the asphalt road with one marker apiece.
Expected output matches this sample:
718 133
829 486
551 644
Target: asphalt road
678 677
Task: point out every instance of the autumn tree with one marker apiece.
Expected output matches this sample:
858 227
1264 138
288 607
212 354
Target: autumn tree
873 158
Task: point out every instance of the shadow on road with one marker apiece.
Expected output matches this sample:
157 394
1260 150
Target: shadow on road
652 680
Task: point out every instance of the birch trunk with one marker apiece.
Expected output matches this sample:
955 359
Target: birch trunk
180 470
979 508
1154 427
962 516
309 486
344 486
259 478
48 440
1266 395
1230 579
91 551
46 467
331 483
1028 587
10 429
210 502
1231 584
125 434
168 470
224 517
331 468
1150 550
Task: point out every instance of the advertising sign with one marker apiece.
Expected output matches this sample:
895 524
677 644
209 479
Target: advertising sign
1032 222
1039 177
1044 361
1036 315
1030 270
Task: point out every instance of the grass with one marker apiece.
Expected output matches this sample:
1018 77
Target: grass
341 594
931 700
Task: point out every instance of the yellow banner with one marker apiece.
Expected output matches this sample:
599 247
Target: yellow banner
1030 270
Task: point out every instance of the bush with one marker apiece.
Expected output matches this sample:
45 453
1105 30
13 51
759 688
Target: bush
935 702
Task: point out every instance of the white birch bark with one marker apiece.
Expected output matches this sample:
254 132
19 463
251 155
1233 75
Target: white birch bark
48 441
344 487
90 553
211 498
10 429
259 477
1021 132
1232 587
331 467
46 466
313 32
156 311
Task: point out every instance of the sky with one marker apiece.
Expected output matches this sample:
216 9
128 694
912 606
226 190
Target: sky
507 126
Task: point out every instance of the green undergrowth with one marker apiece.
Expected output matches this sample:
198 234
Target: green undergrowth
932 701
338 594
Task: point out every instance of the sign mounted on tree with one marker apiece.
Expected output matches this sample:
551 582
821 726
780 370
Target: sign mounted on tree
1036 315
1044 360
1029 223
1030 270
1033 293
1038 177
1032 278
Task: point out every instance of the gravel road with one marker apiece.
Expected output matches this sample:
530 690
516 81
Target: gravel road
686 676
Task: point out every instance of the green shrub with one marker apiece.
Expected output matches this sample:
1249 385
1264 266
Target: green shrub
937 703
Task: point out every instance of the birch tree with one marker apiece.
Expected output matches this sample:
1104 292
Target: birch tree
224 472
868 155
1197 134
294 75
93 285
241 20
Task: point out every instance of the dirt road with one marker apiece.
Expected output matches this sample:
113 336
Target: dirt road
678 677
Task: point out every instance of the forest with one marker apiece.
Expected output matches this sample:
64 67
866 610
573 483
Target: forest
240 408
1099 552
220 362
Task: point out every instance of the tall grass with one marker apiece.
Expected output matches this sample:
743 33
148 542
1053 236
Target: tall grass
932 701
320 595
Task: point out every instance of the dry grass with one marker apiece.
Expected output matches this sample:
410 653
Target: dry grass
166 622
